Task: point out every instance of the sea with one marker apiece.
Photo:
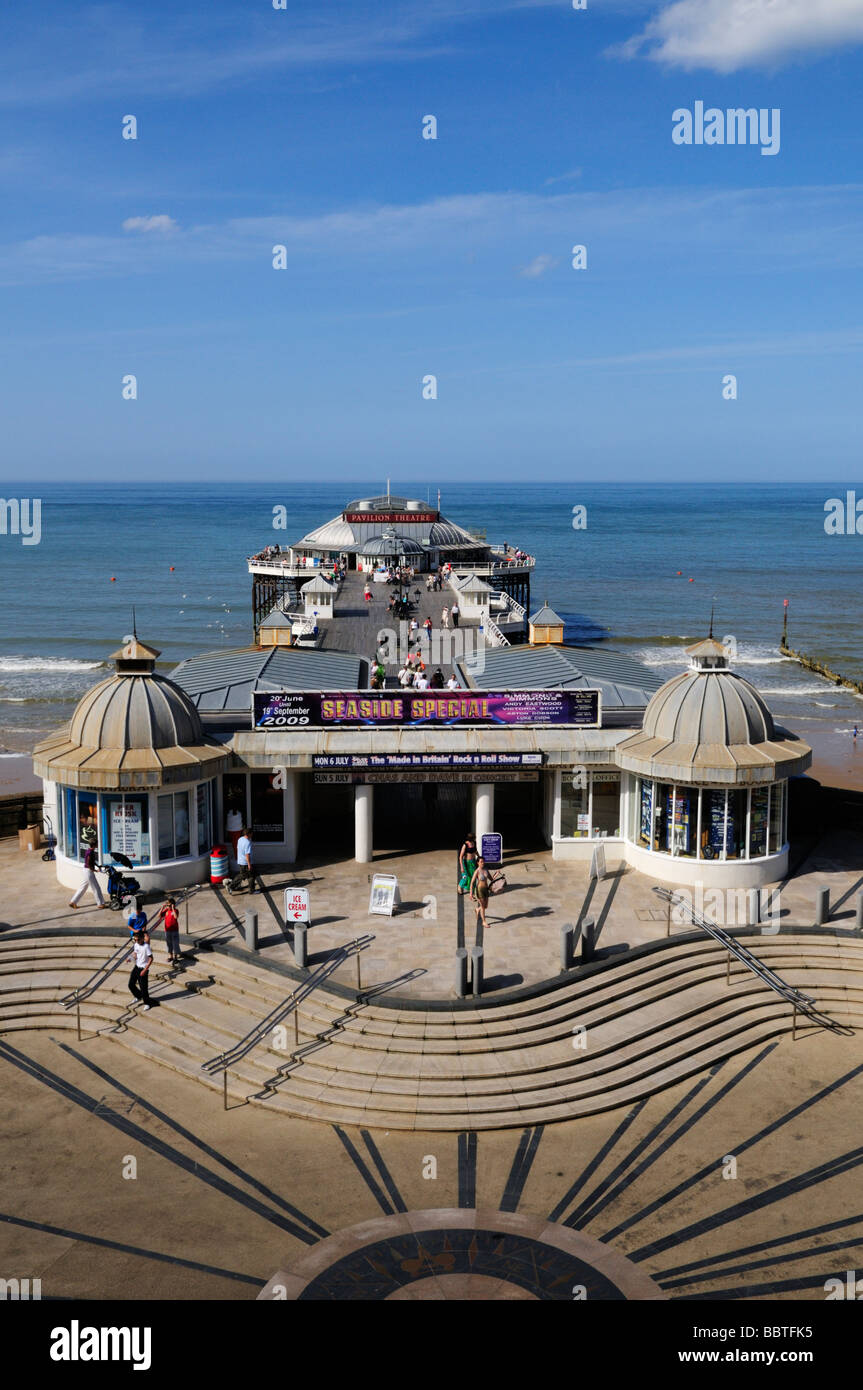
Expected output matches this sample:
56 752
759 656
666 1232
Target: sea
642 576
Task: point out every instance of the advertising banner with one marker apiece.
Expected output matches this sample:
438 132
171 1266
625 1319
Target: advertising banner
291 709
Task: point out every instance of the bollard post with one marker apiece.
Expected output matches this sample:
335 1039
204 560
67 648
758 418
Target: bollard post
461 972
78 1016
588 940
251 929
753 907
858 917
822 906
476 955
296 1025
359 973
300 944
566 946
794 1023
225 1089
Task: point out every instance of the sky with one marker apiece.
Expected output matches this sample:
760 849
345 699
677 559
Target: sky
408 258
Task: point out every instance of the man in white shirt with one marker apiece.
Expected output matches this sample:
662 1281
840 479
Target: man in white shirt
421 682
138 978
244 859
234 826
452 684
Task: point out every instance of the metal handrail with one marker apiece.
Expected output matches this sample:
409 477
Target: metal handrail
804 1002
282 1011
98 978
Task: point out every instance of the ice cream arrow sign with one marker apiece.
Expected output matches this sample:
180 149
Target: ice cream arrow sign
296 905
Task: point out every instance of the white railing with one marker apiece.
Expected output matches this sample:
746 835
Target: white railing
492 633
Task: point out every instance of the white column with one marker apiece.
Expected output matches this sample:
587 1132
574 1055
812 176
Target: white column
363 822
292 814
483 809
557 798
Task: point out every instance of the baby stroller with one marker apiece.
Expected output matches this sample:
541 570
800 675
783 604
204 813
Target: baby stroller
50 839
120 888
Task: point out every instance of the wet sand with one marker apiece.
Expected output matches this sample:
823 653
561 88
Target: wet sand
837 758
16 775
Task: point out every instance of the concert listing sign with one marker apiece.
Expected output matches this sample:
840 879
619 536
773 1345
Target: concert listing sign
291 709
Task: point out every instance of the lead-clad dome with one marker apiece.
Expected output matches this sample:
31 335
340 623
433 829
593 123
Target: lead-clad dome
710 725
135 729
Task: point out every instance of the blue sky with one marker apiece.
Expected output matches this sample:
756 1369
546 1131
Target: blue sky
409 257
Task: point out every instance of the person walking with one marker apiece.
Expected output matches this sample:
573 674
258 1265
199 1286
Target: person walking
137 921
168 914
454 614
444 617
467 861
89 880
480 888
427 627
244 858
138 978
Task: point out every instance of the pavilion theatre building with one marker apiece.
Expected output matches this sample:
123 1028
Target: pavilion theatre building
546 743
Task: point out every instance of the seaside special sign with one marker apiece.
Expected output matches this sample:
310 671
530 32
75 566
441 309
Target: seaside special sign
286 709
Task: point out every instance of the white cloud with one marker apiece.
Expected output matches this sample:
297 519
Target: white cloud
726 35
563 178
160 223
538 266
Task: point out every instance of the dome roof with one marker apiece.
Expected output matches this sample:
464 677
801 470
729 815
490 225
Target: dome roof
710 725
391 545
135 729
136 711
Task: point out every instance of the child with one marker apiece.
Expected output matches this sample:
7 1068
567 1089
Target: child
168 911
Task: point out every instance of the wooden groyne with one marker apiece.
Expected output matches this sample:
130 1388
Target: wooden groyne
819 668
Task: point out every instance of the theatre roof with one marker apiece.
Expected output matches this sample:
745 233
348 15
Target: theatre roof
624 683
354 535
225 681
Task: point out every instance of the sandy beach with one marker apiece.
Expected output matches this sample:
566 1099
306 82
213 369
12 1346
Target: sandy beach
16 775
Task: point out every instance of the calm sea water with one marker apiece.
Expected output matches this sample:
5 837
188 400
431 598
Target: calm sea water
616 583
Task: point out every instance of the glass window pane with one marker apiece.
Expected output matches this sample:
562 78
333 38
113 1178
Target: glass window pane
606 804
181 824
574 806
645 811
736 830
268 809
234 798
166 827
712 824
88 819
758 822
203 807
776 829
70 822
685 819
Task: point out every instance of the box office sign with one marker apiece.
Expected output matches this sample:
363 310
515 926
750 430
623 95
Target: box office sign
291 709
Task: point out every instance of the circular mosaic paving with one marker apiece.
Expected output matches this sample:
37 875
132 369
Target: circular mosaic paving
461 1254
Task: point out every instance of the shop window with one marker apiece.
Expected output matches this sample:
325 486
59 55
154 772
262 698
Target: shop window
645 822
268 809
203 797
126 827
758 811
70 823
574 811
713 832
683 829
173 821
777 827
605 808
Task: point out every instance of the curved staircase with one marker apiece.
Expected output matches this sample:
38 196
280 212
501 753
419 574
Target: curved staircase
597 1042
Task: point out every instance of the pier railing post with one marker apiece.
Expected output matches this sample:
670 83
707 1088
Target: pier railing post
461 972
300 944
476 957
566 946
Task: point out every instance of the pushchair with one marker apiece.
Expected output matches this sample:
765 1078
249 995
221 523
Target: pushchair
121 889
49 839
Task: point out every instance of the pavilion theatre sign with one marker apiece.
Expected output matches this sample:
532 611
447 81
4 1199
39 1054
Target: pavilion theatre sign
291 709
391 518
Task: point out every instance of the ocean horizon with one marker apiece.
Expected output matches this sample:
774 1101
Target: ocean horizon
643 576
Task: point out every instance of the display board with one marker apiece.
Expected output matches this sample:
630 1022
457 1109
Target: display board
297 906
292 709
491 848
384 895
